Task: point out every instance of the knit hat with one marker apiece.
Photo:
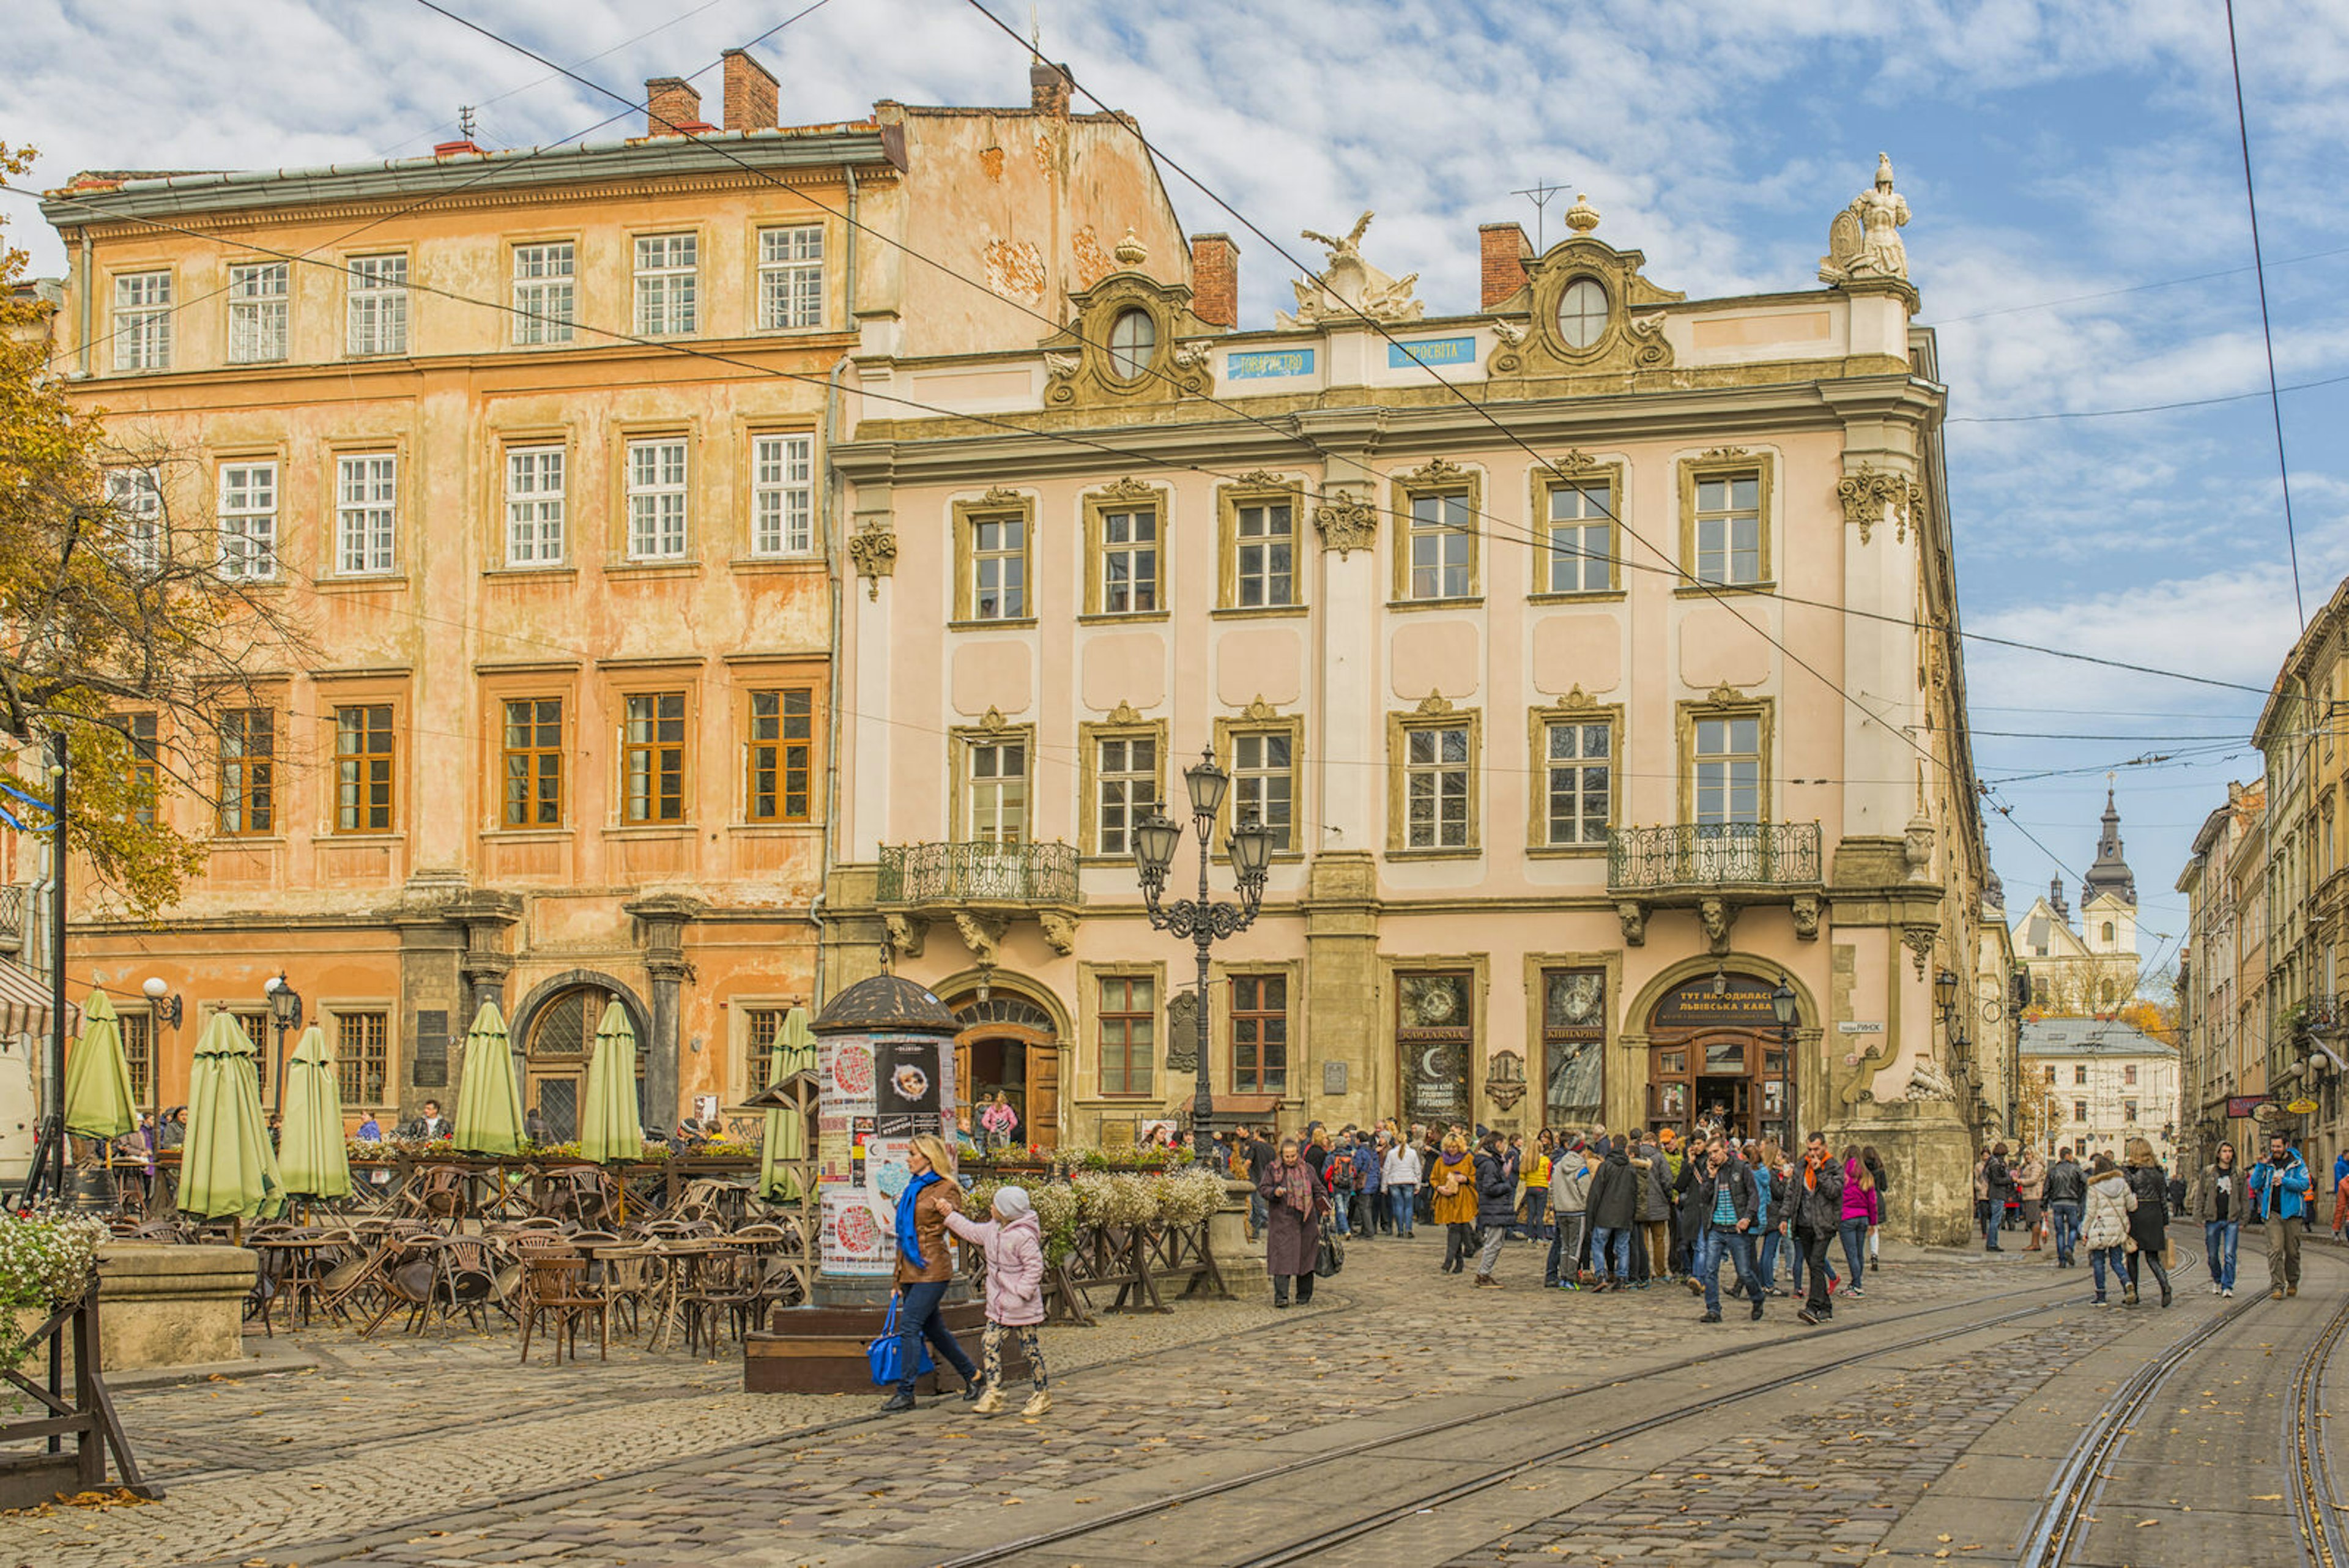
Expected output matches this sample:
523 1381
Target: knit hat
1012 1202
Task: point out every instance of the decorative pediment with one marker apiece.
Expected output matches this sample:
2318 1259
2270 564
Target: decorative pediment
1262 479
1260 709
1103 358
999 496
993 721
1432 703
1123 714
1724 695
1578 698
1126 489
1588 310
1574 464
1722 454
1435 470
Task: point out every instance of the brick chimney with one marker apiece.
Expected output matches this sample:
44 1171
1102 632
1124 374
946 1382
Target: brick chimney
1048 90
1503 249
750 93
672 105
1216 280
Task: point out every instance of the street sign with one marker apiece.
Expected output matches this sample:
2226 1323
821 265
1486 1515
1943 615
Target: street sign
2301 1107
2240 1105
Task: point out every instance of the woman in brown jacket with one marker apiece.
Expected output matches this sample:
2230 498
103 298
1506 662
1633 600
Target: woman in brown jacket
926 1270
1453 1181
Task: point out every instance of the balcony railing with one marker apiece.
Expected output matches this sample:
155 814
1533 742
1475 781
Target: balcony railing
1713 855
982 873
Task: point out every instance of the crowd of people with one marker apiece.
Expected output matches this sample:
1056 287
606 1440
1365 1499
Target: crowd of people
1619 1210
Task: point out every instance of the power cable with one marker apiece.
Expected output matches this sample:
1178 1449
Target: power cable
2267 328
2148 408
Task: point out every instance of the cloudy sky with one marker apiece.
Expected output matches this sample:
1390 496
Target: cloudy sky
2080 239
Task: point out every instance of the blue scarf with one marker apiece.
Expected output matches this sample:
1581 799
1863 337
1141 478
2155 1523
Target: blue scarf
909 1246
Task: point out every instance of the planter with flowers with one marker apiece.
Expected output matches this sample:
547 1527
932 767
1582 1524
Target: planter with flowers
48 1284
1133 1231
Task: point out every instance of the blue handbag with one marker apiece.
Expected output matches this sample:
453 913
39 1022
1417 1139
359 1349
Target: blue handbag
886 1354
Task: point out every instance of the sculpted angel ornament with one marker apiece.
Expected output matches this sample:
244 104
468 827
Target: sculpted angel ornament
1348 285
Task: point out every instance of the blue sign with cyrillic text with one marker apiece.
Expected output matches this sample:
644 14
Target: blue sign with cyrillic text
1258 365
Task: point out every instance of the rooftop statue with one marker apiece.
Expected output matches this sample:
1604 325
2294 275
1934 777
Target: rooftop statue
1864 241
1348 288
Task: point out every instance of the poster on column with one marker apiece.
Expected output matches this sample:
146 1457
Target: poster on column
879 1093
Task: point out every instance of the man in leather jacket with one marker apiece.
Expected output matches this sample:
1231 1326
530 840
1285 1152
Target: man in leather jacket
2067 1194
1817 1209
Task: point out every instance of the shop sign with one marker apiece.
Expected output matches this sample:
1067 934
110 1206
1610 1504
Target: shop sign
1431 351
2301 1107
2238 1106
1692 1006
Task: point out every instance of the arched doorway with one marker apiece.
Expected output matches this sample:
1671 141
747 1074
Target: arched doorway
1010 1045
1714 1047
555 1029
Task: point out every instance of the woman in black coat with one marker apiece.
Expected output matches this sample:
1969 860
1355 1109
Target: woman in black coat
2149 1221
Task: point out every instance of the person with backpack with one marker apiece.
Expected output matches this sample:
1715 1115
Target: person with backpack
1998 1183
1569 1200
2278 1187
1337 1184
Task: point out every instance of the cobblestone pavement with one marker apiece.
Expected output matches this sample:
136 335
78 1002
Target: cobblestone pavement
429 1454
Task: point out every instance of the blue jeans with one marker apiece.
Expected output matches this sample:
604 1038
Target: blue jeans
2219 1239
1258 1215
1536 1200
1768 1267
1855 1247
2098 1257
1339 1204
2067 1217
917 1316
1710 1243
1401 1197
1612 1243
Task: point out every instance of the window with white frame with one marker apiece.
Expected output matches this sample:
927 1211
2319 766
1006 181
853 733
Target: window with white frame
136 497
1263 782
1439 545
665 284
655 500
1581 538
998 784
367 502
248 519
545 291
1125 784
1265 566
1579 760
790 277
1435 782
256 312
1728 770
782 495
534 477
142 321
1129 561
1729 528
375 302
999 568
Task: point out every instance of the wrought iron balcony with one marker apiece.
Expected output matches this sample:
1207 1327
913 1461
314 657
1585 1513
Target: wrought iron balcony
932 875
1704 857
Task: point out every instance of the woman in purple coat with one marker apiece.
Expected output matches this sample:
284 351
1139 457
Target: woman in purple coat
1292 1235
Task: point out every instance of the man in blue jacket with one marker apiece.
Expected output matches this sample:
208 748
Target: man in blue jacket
2279 1188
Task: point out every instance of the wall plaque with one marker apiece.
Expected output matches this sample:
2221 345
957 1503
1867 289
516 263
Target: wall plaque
1333 1077
431 1051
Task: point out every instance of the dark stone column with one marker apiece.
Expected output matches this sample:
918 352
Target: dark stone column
661 919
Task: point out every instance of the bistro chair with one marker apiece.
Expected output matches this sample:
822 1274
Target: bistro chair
555 1293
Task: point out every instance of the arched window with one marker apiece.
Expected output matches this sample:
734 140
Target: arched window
2109 933
555 1056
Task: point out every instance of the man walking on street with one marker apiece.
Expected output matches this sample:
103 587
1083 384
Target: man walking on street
1998 1180
1732 1207
1817 1209
2067 1191
2030 1188
2278 1187
1497 1200
1570 1197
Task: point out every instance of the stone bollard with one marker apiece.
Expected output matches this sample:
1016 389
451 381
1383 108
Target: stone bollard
1240 1260
171 1306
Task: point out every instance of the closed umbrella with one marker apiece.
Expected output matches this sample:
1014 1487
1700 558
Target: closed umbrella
98 1080
610 1129
489 1101
226 1164
310 1153
792 1052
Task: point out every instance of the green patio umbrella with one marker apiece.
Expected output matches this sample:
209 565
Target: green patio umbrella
792 1052
98 1080
609 1128
226 1164
310 1154
489 1101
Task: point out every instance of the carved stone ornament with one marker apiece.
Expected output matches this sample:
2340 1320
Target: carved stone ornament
1002 496
1192 355
1123 714
1632 916
1505 1079
1183 1032
1806 916
1725 452
1724 695
1578 698
1574 464
1126 489
1508 331
1061 367
1348 288
1716 916
1917 847
1261 479
981 934
1260 709
874 549
906 935
1346 523
1130 252
1928 1082
1434 702
1867 491
1864 240
1059 932
992 721
1435 470
1919 941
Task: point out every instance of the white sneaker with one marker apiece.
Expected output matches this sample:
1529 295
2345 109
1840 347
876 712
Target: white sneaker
2214 1290
2228 1294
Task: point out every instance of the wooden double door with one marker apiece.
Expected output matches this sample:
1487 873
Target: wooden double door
1734 1074
1024 1066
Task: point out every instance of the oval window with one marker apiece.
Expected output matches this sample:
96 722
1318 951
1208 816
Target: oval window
1131 337
1582 313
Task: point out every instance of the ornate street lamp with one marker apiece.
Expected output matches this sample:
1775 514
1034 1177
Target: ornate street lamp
167 1007
1204 920
286 1012
1782 1006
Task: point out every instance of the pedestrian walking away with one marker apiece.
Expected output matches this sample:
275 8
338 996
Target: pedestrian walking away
1998 1182
926 1270
2067 1194
1401 1178
1013 1241
1295 1204
2104 1225
1862 1212
1569 1200
2217 1203
1496 1204
2280 1197
1874 1163
2148 1218
1613 1208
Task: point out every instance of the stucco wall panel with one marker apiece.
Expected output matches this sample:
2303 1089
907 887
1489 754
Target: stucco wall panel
998 675
1440 656
1131 668
1262 661
1716 646
1570 650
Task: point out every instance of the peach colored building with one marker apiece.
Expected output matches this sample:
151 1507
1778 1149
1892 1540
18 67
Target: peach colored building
1526 633
535 443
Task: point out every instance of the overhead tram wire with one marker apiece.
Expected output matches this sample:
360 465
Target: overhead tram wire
2267 328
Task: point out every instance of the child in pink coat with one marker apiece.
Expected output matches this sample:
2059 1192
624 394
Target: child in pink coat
1014 1244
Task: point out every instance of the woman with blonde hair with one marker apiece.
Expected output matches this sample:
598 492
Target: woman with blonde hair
2149 1221
926 1269
1453 1179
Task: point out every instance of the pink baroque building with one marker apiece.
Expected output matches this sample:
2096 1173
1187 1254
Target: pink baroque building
1592 661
